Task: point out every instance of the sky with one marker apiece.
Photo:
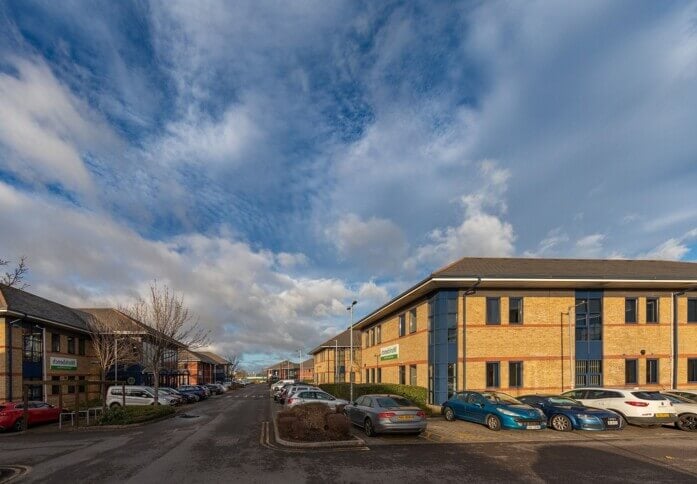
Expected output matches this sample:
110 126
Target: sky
273 161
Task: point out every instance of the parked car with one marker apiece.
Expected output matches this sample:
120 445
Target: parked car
277 394
279 384
378 414
313 396
12 414
182 397
687 412
205 389
215 389
136 395
637 407
290 390
496 410
566 414
192 390
689 394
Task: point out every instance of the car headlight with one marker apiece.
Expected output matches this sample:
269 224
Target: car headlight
507 412
542 414
585 416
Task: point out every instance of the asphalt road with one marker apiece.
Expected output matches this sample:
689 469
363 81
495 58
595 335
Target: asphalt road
225 442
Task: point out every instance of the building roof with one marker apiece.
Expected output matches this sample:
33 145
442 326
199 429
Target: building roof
219 360
342 340
188 355
123 322
309 363
19 301
283 365
536 273
569 269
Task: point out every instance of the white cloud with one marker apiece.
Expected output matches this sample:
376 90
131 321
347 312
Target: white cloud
674 248
376 243
589 246
45 129
483 232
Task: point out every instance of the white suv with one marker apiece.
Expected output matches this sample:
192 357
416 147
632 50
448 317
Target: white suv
638 407
135 395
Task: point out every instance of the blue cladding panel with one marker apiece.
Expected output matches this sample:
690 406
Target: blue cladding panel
442 350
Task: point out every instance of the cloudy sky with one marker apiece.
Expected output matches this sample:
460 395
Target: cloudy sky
275 160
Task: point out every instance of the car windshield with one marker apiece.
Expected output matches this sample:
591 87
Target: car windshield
500 398
393 402
562 401
649 395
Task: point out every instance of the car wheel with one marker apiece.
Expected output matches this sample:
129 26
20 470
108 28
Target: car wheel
561 423
687 422
114 405
368 428
493 422
449 414
18 426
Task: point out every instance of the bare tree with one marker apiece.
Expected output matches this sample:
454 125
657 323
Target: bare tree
171 325
233 360
15 278
113 342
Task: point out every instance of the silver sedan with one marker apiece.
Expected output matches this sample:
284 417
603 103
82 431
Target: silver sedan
386 414
314 396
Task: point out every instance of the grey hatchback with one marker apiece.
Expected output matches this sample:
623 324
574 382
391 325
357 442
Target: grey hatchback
386 414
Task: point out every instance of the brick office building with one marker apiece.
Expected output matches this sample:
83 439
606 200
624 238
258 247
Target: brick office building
43 340
538 325
284 370
307 370
332 359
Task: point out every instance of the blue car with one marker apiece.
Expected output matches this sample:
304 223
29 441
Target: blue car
566 414
496 410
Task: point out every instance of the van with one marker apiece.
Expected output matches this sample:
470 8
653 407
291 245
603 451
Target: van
135 395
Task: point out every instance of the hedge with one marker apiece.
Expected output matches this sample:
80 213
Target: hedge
134 414
418 395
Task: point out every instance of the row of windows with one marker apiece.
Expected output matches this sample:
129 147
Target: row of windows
373 336
56 344
55 389
373 375
515 310
407 321
515 374
631 371
630 310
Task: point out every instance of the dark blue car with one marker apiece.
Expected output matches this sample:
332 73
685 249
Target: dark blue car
496 410
193 389
566 414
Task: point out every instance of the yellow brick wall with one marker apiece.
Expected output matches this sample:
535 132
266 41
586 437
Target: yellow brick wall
324 371
687 342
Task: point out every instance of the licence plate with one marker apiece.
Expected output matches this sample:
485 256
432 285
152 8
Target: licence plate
405 417
659 415
612 421
533 427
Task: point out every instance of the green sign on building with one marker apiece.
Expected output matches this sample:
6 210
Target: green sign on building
389 353
58 363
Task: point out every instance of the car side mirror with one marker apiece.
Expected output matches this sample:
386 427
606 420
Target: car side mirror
479 404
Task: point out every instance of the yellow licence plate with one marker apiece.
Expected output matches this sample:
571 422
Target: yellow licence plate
659 415
405 417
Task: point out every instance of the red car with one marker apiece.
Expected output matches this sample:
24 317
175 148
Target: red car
39 412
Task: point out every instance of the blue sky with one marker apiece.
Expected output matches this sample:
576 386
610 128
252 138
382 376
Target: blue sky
275 160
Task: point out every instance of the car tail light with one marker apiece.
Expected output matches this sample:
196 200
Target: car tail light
386 415
290 400
421 414
637 404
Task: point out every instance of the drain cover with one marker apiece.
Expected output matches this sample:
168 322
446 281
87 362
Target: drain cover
7 473
188 415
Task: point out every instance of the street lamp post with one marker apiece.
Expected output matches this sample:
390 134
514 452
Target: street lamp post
351 376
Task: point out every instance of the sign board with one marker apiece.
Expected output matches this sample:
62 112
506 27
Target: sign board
389 353
58 363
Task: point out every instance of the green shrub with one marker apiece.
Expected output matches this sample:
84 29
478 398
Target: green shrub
134 414
418 395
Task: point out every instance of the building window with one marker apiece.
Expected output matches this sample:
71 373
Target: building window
492 374
372 375
412 375
81 386
630 310
372 337
379 375
55 342
692 310
651 309
412 320
71 388
452 378
71 345
515 374
515 310
367 376
651 371
366 339
81 346
55 389
493 310
402 375
378 334
692 370
630 372
402 325
32 343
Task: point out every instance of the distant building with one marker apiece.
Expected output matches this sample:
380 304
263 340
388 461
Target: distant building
333 361
284 370
307 370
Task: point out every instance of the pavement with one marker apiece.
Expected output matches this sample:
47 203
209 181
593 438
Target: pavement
230 439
